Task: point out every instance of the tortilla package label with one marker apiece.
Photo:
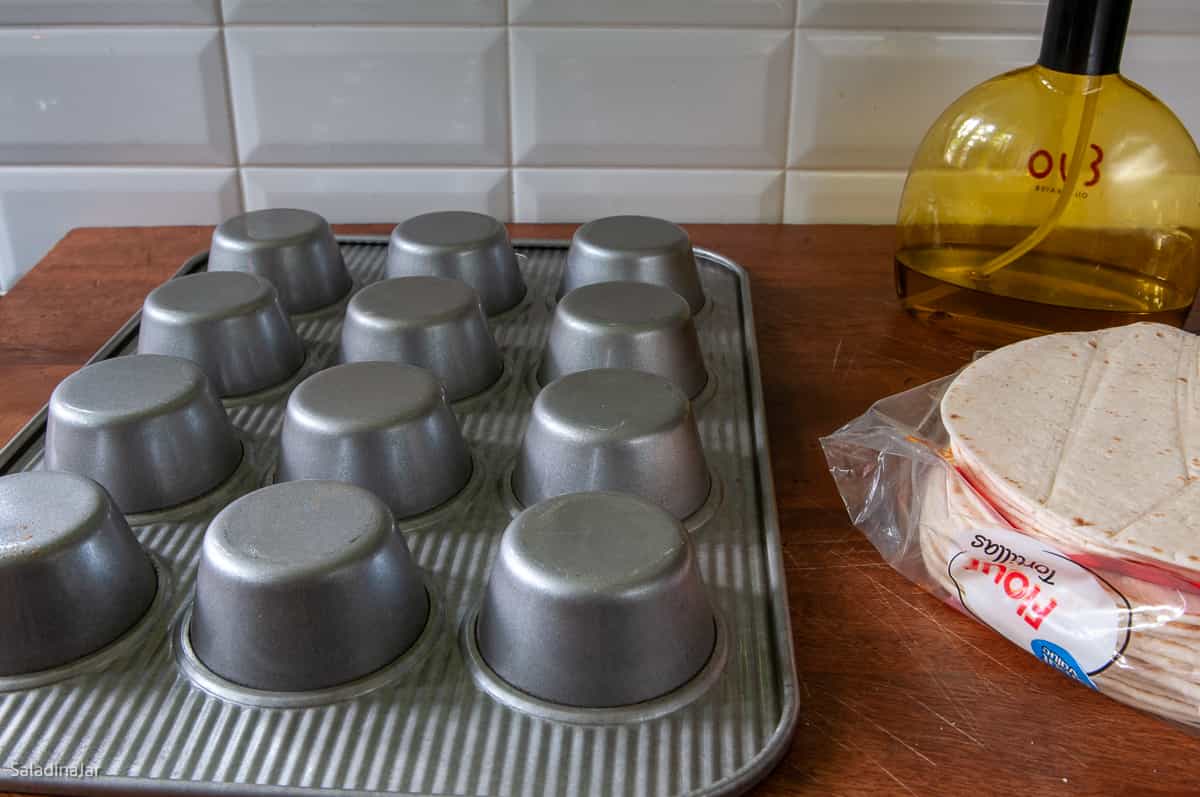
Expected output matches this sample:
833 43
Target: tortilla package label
1038 598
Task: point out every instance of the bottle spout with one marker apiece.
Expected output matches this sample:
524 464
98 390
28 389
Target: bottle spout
1084 37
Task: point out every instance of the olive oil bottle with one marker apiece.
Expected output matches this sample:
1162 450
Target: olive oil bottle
1057 196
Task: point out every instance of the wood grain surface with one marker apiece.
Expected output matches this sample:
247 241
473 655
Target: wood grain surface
899 693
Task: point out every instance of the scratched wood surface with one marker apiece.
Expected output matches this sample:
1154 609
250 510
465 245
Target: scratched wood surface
900 694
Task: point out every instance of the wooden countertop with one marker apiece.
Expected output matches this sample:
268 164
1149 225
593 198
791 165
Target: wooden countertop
900 694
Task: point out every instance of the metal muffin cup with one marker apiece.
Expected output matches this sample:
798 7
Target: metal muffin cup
613 429
634 325
595 600
430 322
383 426
304 586
634 248
295 250
229 323
73 579
149 428
470 247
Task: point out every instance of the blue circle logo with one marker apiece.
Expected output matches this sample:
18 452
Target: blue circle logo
1058 658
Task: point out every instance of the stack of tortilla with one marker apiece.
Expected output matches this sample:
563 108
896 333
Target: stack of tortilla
1089 442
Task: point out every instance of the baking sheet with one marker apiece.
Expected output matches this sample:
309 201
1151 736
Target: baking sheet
142 725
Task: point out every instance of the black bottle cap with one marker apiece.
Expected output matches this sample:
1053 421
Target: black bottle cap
1084 37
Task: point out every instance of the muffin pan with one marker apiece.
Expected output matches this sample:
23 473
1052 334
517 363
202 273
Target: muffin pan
457 244
73 578
303 586
595 601
229 323
624 324
294 250
516 637
636 248
149 429
383 426
613 429
432 322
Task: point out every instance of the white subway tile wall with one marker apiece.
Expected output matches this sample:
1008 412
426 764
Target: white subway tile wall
805 111
649 97
379 194
378 95
863 99
39 205
108 12
833 197
1149 16
127 95
397 12
721 13
715 195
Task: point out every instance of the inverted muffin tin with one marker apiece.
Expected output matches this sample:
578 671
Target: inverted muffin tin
485 667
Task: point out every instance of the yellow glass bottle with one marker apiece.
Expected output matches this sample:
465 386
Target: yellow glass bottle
1057 196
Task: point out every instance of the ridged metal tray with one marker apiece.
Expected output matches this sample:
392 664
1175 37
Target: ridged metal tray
139 724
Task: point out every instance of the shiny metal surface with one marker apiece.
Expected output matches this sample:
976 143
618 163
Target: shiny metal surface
637 248
305 585
148 428
292 249
625 325
613 429
229 323
432 322
459 245
148 725
595 600
383 426
72 576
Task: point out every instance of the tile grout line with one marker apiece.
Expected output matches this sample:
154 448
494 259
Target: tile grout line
109 166
227 76
659 26
788 131
508 85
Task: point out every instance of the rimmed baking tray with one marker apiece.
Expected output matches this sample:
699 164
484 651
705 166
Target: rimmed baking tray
140 724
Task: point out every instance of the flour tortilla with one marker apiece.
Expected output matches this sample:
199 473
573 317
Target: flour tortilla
1090 439
1155 603
1160 668
1154 701
952 509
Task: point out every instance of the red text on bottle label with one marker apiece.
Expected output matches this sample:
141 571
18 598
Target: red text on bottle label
1041 165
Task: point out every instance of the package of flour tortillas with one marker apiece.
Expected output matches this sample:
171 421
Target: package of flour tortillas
1051 489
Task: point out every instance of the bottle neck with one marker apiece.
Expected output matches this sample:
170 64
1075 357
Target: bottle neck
1084 37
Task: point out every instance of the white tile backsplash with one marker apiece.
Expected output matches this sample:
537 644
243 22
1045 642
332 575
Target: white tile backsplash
108 96
108 12
39 205
725 13
681 194
378 195
145 111
1178 16
923 14
1168 66
408 12
626 97
387 95
842 197
1165 16
864 99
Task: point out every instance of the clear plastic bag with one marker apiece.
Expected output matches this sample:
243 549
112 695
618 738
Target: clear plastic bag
1129 629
